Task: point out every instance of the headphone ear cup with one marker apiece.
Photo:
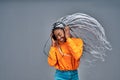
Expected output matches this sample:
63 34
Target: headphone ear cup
54 37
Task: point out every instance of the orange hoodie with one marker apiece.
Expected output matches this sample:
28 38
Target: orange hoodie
67 56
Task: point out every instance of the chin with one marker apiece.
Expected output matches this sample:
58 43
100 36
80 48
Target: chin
63 40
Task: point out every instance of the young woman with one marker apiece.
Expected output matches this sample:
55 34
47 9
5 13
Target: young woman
65 53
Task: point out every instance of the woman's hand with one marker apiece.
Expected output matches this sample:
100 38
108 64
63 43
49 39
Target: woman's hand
67 32
53 42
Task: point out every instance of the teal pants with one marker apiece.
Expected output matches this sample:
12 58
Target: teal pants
66 75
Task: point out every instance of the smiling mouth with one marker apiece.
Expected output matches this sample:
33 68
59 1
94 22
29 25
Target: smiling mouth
61 39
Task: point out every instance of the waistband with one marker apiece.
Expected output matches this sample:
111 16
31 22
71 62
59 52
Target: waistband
66 70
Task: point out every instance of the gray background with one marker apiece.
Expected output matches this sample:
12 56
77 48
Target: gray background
26 25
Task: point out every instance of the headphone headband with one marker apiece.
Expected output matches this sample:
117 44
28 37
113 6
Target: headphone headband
59 24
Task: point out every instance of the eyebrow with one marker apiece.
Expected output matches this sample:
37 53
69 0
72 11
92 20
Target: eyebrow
58 34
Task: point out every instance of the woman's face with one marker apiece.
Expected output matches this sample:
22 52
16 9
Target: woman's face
60 35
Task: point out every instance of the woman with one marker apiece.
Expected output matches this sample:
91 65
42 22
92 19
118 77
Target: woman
65 53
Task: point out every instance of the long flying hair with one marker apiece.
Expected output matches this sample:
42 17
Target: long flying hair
90 31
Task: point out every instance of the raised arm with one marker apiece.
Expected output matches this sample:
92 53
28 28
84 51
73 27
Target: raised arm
75 44
76 47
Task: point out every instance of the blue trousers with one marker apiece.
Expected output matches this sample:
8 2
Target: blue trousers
66 75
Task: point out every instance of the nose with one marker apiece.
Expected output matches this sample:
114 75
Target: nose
59 37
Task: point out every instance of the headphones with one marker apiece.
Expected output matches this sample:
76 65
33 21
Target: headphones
57 25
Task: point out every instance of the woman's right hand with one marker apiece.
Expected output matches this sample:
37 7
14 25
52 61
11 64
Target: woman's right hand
53 42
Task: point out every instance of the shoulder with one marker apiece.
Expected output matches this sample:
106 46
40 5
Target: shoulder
77 39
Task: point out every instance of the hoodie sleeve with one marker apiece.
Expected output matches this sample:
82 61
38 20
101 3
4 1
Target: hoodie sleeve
75 46
52 60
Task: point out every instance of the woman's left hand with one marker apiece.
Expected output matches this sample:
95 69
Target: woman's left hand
67 31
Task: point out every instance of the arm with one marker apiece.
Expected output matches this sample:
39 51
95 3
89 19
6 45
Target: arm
52 57
52 60
75 47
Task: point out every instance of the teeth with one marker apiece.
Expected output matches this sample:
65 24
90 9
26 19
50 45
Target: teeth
61 39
